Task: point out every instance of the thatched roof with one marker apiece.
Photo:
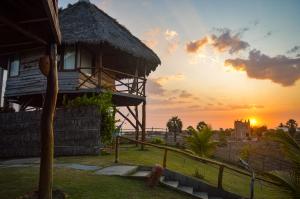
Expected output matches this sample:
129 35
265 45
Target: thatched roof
83 22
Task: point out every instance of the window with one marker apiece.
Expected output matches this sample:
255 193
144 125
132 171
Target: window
86 62
69 59
14 66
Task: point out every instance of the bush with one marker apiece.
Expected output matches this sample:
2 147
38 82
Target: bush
104 104
245 152
157 140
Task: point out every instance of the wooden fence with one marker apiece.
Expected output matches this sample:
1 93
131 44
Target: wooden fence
221 165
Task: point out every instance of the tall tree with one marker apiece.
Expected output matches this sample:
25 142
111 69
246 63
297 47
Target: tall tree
174 125
201 125
292 125
200 142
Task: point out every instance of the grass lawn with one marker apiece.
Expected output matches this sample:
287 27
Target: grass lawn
231 181
80 184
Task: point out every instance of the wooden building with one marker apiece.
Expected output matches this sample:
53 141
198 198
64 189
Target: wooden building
97 54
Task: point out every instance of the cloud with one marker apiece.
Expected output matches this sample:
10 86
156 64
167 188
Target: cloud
151 43
170 34
294 50
150 37
268 34
165 79
185 94
279 69
154 88
225 41
197 45
228 42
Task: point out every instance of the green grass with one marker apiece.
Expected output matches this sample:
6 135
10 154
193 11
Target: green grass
232 182
80 184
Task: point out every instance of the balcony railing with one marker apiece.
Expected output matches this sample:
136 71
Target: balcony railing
113 80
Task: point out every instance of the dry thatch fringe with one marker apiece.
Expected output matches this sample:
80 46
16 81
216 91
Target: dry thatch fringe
86 23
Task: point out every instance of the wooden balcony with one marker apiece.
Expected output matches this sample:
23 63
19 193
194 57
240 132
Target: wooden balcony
127 89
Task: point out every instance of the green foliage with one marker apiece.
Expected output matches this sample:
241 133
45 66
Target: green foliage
199 173
200 142
289 181
292 125
157 140
174 124
103 102
222 139
245 152
201 125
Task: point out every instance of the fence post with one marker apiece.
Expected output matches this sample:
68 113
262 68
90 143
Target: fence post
117 149
165 158
220 177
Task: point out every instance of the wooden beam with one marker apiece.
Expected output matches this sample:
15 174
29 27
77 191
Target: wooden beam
126 118
137 124
22 30
46 129
135 117
52 14
30 21
1 83
143 124
15 44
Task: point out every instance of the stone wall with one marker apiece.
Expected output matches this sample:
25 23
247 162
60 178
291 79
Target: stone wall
263 155
77 132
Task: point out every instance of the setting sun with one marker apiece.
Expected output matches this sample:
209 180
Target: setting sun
253 122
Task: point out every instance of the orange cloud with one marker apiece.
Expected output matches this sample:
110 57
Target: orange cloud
195 46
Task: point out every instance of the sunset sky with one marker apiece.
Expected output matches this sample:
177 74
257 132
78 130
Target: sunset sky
221 60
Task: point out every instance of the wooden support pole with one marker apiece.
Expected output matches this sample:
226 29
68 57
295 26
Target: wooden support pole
220 176
1 84
46 128
117 149
126 118
136 124
165 158
143 124
99 68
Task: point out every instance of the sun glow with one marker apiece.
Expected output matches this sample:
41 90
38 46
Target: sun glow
253 121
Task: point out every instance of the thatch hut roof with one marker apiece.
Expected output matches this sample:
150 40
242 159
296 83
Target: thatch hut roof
83 22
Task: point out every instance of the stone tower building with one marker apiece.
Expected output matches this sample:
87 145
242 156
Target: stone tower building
242 129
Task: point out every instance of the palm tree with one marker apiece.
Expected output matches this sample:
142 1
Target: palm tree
289 181
292 125
200 141
174 125
201 125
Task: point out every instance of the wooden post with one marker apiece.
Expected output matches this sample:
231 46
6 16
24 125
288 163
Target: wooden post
143 124
136 124
165 158
1 84
117 149
46 128
100 66
220 176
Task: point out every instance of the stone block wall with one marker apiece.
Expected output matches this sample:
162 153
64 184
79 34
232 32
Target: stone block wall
77 132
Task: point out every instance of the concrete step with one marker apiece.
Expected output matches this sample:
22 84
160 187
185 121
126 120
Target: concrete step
171 183
186 189
119 170
202 195
141 174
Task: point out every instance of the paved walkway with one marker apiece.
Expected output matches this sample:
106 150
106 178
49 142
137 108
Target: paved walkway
120 170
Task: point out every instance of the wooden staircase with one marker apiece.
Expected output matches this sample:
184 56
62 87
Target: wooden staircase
178 184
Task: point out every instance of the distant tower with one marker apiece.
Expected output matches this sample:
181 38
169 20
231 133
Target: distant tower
242 129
